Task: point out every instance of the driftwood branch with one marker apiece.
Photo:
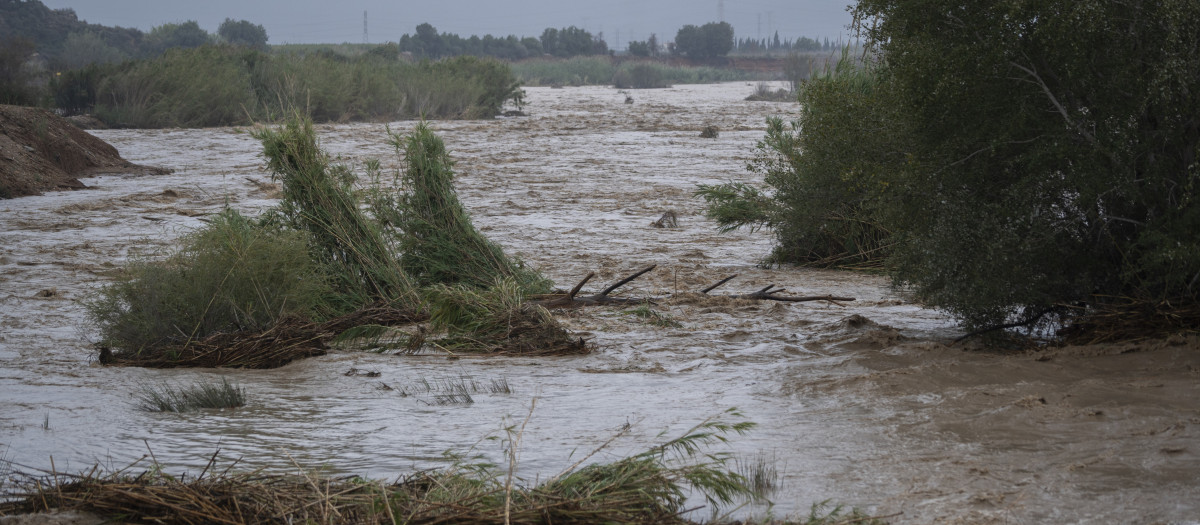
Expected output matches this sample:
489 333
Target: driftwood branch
718 283
572 299
769 294
625 281
574 291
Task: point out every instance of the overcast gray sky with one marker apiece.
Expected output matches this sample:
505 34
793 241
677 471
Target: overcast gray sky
326 21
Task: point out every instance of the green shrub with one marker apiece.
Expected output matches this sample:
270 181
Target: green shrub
231 275
826 172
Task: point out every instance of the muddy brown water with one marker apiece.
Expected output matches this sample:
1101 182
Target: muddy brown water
862 402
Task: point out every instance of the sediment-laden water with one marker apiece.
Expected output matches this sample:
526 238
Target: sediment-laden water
862 402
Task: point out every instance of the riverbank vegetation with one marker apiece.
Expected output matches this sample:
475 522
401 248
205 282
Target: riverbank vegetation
1015 166
327 266
652 486
622 73
226 85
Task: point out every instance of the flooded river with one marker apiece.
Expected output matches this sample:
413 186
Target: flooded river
861 402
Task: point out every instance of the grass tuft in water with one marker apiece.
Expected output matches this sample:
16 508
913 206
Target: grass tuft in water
653 317
453 391
201 395
761 473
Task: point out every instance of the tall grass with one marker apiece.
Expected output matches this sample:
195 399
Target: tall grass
318 198
217 85
436 239
577 71
600 70
200 395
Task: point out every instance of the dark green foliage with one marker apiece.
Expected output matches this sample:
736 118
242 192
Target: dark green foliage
88 48
182 88
572 41
232 275
48 29
243 33
75 91
15 77
188 34
714 39
1055 157
639 49
437 242
426 42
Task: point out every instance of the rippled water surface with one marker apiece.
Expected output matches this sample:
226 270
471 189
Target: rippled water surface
861 402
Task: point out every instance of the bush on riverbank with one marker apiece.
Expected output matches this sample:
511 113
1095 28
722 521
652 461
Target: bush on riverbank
824 172
222 85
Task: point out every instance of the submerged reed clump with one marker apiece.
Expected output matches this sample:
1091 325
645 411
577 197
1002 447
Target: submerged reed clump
761 473
323 268
497 320
653 317
318 198
436 240
200 395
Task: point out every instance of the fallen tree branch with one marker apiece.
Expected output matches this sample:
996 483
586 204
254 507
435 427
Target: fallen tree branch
768 294
571 299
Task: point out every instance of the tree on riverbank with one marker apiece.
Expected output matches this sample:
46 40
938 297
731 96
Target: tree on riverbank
1041 161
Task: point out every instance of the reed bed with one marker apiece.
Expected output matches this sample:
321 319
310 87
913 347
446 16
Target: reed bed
650 487
223 85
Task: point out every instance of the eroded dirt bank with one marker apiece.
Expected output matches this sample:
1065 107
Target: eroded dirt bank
863 402
41 151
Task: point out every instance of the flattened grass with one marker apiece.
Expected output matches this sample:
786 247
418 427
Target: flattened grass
650 487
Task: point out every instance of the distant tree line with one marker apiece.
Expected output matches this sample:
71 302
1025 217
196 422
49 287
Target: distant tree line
63 41
753 46
567 42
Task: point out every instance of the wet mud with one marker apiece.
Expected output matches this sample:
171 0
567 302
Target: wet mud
864 402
